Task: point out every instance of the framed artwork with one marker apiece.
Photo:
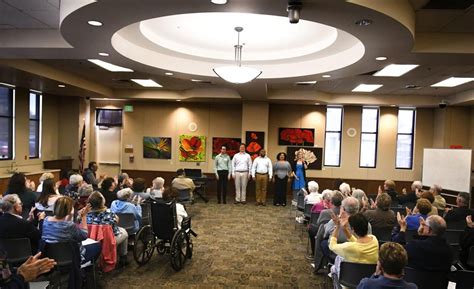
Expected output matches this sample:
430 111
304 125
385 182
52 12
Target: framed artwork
295 136
232 145
192 148
157 147
313 156
255 141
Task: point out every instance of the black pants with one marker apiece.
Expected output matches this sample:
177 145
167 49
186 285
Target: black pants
222 186
280 191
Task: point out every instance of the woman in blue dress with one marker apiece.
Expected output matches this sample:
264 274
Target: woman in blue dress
299 172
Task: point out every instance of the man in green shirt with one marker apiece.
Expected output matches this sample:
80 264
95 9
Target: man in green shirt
223 170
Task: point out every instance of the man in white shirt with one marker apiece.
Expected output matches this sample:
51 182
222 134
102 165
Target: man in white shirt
261 173
241 168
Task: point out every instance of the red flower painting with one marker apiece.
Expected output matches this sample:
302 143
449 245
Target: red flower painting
192 148
255 142
232 145
296 136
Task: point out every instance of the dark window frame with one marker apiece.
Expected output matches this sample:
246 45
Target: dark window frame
11 117
37 120
334 131
412 147
376 133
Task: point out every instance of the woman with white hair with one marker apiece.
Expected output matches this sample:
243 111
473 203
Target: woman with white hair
345 189
156 191
314 196
324 203
362 198
124 204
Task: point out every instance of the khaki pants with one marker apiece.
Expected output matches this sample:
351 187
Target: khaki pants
261 182
241 180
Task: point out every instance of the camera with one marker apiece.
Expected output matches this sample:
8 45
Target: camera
443 104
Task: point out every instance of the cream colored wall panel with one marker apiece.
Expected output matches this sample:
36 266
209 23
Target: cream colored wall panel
50 128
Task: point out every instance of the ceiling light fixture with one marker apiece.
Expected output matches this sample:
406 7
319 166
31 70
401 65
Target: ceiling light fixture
237 73
61 85
326 76
453 81
219 2
94 23
169 73
381 58
178 100
367 87
317 103
146 82
395 70
196 80
103 54
109 66
294 9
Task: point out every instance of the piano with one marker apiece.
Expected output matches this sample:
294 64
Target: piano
200 181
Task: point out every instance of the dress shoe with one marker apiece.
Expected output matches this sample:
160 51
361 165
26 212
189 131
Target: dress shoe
263 204
236 203
257 203
243 203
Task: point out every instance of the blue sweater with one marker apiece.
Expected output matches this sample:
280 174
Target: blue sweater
123 207
381 282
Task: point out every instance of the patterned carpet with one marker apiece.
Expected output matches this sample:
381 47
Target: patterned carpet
237 246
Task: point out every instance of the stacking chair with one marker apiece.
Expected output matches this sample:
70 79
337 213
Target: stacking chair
18 250
68 259
425 279
383 234
470 258
307 211
456 225
314 218
126 221
452 236
184 196
351 273
464 279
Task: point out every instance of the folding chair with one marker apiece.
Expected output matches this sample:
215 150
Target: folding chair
425 279
18 250
351 273
464 279
126 221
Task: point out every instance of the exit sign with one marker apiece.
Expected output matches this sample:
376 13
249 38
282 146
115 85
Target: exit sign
128 108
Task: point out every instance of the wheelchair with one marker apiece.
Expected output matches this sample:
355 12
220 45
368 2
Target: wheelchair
163 234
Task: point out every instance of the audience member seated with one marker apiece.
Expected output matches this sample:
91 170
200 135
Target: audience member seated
84 192
24 188
108 190
139 187
156 191
389 188
100 215
12 225
124 181
125 204
439 201
408 199
345 189
360 246
61 228
27 272
389 273
423 207
170 195
43 178
314 196
466 241
429 252
429 196
381 216
90 176
181 182
461 212
64 181
324 203
362 198
75 182
48 196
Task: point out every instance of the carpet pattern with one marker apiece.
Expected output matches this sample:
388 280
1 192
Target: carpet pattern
241 246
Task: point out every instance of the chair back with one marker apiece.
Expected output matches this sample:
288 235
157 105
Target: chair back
383 234
307 210
314 218
126 221
351 273
184 195
452 236
164 222
18 250
425 279
456 225
464 279
456 249
62 253
300 200
399 209
146 215
409 235
470 258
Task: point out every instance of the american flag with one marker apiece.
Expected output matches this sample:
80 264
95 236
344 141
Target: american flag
82 149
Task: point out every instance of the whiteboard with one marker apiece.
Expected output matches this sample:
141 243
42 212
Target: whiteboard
449 168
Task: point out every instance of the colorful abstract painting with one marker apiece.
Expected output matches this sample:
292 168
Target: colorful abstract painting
295 136
312 156
232 145
192 148
157 148
255 141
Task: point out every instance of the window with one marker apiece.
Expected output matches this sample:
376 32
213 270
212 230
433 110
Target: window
368 137
405 137
35 125
6 122
332 146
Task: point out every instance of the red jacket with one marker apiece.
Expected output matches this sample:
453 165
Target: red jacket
105 235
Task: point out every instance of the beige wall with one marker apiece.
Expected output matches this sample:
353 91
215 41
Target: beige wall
453 126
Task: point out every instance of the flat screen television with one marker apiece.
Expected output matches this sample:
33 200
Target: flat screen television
108 117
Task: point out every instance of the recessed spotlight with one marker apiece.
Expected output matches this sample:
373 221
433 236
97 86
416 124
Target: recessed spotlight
317 103
61 85
395 70
326 76
109 66
94 23
453 81
146 82
219 2
169 73
363 22
103 54
381 58
412 86
178 100
367 87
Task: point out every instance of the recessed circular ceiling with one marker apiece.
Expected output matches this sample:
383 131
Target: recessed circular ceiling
198 42
212 35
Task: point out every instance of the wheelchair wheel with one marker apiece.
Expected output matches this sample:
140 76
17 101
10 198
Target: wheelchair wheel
189 249
161 247
144 245
179 250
